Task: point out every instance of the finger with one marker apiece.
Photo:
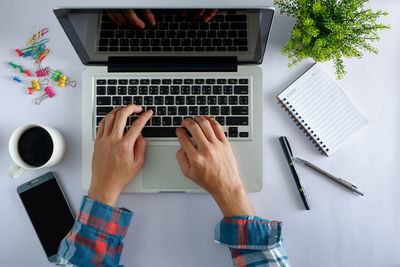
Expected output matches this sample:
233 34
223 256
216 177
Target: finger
209 14
194 128
119 17
134 19
137 126
113 17
122 116
217 128
183 161
149 17
185 141
109 123
198 13
140 149
100 130
206 128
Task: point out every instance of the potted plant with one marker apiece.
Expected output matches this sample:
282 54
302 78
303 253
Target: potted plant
330 30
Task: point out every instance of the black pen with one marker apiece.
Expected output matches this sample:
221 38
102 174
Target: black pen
289 157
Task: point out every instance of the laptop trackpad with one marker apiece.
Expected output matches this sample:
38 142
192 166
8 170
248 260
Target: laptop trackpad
162 171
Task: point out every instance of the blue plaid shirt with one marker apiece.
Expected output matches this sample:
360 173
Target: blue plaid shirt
97 238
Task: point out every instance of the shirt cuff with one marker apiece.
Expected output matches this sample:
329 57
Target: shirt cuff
111 220
248 232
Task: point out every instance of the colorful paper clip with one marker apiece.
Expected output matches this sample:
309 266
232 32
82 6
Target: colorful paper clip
15 78
37 84
42 55
12 65
36 36
40 71
63 81
48 92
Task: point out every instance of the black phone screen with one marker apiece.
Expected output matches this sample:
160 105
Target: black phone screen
49 213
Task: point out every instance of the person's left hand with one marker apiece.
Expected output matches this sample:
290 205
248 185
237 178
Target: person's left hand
117 156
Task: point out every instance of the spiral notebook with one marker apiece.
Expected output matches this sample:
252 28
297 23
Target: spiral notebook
322 110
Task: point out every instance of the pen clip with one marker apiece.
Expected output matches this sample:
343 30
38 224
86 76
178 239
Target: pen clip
288 146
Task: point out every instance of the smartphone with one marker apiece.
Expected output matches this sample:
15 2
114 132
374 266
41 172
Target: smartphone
48 210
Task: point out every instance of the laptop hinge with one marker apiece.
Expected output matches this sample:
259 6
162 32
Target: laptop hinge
172 64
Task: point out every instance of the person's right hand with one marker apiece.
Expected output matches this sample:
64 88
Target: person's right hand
209 162
129 17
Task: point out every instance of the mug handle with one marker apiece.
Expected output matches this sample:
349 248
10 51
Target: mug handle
15 171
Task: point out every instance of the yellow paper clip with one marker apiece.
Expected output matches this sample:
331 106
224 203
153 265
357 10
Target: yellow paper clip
36 36
42 55
63 81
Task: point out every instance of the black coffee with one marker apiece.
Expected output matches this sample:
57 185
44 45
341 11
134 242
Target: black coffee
35 146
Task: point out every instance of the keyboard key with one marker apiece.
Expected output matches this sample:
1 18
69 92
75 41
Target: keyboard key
238 26
152 108
222 100
102 111
153 90
190 100
166 81
174 90
232 81
122 81
172 111
143 90
214 110
225 110
180 100
206 89
116 100
177 81
164 90
156 121
134 81
98 120
244 134
101 82
188 81
176 121
199 81
161 111
111 90
159 131
138 100
233 100
243 100
185 90
182 111
221 81
241 90
166 121
101 90
237 121
243 81
193 110
211 100
217 90
239 110
196 90
148 100
227 90
132 90
235 18
203 110
159 100
103 100
210 81
122 90
221 120
169 100
201 100
112 82
155 81
233 131
126 100
144 81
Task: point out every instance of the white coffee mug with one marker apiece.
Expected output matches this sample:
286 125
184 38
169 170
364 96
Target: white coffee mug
20 166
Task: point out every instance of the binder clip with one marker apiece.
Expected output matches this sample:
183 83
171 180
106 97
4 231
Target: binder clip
48 92
63 81
37 84
55 74
40 71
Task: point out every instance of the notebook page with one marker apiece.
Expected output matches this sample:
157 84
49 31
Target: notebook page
323 109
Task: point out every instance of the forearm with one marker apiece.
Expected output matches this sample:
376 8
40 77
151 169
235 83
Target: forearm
97 235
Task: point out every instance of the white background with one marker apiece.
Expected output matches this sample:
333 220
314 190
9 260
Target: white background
342 228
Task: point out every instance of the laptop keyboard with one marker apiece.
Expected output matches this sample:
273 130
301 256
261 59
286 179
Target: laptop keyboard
173 100
226 32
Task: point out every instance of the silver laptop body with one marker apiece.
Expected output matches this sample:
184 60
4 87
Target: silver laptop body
182 68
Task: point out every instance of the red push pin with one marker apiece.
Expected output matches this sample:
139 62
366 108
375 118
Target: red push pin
30 90
18 52
27 73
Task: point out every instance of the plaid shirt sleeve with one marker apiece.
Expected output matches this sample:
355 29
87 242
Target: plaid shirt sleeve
253 241
97 235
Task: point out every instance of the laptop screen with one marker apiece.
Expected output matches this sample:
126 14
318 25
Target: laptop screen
97 34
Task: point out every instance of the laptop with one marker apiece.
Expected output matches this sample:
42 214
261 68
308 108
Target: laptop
181 67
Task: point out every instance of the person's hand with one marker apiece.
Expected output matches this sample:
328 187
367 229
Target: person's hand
118 156
206 14
129 17
209 162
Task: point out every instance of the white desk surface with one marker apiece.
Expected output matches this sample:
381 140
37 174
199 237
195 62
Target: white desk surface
342 229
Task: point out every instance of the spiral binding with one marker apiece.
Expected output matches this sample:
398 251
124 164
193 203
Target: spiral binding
310 135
